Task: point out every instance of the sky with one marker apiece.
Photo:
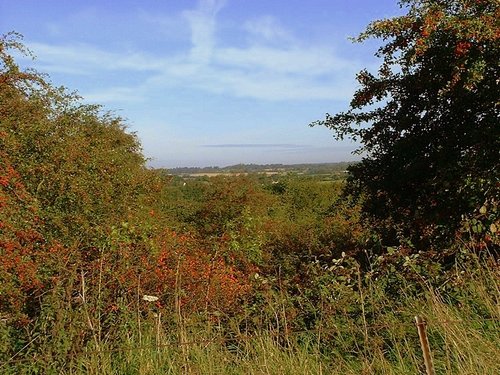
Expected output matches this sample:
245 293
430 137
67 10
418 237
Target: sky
208 82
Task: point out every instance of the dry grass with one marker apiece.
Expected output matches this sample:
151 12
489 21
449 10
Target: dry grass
462 342
464 336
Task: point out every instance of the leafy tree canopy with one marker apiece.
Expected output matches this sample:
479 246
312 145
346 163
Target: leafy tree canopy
79 163
428 120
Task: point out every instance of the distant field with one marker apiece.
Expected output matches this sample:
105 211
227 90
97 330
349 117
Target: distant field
330 171
214 174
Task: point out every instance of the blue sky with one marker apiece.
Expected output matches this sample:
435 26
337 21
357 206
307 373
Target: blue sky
208 82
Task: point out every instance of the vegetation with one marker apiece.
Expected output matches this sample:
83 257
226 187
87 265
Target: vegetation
108 267
432 147
328 170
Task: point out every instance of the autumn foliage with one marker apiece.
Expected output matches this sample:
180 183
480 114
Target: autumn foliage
93 243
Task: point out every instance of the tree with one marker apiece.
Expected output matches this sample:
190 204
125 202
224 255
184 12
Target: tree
79 163
428 120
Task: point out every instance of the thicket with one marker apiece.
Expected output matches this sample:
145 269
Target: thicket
107 266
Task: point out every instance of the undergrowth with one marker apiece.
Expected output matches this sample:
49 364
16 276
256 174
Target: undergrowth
376 336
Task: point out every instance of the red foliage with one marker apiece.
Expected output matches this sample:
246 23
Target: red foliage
201 278
462 48
19 242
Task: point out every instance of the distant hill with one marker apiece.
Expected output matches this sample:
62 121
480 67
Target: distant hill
308 169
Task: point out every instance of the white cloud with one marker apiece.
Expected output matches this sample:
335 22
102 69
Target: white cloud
289 70
265 85
305 61
202 23
84 59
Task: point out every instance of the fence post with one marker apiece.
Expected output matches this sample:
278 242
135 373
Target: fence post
424 343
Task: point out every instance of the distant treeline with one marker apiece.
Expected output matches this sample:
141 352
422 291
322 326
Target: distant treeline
316 168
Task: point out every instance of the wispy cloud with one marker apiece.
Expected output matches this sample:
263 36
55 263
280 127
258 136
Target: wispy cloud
86 59
289 70
257 145
202 22
304 61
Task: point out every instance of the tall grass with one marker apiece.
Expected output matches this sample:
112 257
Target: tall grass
463 328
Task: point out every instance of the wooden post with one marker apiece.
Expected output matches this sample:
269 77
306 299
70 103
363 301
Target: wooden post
424 343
